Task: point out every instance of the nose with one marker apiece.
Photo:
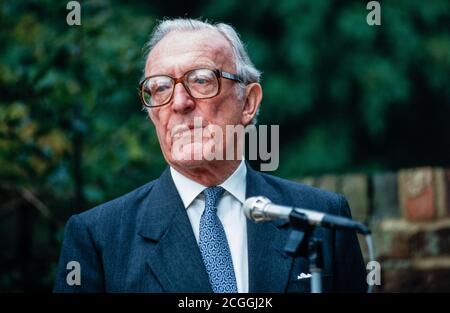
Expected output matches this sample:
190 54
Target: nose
182 102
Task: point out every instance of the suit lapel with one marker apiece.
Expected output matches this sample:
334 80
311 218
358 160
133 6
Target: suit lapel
171 249
269 265
172 253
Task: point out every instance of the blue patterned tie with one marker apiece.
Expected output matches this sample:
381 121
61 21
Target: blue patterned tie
214 245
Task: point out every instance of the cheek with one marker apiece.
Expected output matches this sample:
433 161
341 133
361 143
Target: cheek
159 118
230 113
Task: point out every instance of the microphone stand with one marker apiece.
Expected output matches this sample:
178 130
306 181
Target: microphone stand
301 242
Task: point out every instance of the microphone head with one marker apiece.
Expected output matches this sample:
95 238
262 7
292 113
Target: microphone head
254 208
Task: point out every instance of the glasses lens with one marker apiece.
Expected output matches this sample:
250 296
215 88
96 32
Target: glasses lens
157 90
202 83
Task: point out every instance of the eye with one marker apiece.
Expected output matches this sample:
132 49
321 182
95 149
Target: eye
200 81
161 88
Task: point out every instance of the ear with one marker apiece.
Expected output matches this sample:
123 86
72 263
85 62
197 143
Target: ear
253 97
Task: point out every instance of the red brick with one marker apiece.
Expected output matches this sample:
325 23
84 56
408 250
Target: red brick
417 194
421 207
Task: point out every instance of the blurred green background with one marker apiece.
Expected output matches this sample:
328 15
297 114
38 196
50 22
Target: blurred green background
347 96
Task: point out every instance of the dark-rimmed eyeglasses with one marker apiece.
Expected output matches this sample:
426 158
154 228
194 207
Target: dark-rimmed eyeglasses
202 83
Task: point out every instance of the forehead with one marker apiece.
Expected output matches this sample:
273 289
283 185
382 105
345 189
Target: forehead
179 52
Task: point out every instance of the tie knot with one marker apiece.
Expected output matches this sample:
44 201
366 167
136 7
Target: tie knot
212 194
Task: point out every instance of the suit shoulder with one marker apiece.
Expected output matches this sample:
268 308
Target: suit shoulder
296 193
113 209
293 186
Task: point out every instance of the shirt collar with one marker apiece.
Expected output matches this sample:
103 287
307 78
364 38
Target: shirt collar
189 189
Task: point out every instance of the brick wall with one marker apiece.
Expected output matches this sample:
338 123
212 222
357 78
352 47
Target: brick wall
409 214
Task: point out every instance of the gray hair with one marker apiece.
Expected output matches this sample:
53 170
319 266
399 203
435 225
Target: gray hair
244 66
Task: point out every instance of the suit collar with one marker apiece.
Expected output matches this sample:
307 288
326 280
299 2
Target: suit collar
189 189
171 251
159 208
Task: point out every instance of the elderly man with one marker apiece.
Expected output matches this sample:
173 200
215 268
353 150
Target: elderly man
186 231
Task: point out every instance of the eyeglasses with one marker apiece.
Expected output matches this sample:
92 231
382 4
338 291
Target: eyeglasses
202 83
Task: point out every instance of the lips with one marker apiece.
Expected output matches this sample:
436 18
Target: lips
183 129
178 130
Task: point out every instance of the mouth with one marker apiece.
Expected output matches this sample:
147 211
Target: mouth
179 131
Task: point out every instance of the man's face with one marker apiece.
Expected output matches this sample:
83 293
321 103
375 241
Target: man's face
174 55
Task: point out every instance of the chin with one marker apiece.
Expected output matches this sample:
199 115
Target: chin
190 164
193 157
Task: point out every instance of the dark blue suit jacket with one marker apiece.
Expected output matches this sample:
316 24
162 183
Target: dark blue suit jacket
143 242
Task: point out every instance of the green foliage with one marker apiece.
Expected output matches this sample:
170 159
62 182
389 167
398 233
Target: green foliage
328 74
347 97
71 125
74 88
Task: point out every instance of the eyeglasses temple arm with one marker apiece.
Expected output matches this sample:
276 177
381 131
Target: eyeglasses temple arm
230 76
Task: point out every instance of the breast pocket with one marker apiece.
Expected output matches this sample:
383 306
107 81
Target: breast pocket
303 285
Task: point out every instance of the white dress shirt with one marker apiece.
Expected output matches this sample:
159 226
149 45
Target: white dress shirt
229 211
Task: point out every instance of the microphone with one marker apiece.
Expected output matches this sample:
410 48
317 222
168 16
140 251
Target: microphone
261 209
